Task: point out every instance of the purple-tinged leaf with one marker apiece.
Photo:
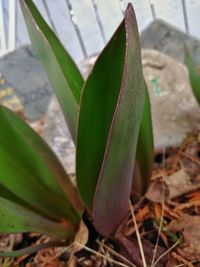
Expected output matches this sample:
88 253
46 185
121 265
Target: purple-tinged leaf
98 102
109 120
115 179
128 247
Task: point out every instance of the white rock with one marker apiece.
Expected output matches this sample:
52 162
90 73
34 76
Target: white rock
175 111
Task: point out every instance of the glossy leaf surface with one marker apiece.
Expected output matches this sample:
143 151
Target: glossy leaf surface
17 219
145 148
97 106
30 172
109 120
62 71
193 75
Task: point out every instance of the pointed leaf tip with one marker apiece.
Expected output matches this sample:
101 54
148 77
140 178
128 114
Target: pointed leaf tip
60 68
115 179
129 8
109 119
97 105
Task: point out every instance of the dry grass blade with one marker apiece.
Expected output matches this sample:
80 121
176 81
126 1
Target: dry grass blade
166 252
162 216
138 236
116 254
103 256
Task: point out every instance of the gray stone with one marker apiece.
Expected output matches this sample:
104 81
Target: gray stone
56 134
166 38
22 72
174 109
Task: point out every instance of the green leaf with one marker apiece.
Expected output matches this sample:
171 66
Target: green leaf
193 74
33 249
30 171
5 193
15 219
98 102
62 71
145 148
109 120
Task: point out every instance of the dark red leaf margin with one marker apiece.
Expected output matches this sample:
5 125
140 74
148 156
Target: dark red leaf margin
113 191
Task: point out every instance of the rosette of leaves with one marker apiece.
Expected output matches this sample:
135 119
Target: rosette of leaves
110 122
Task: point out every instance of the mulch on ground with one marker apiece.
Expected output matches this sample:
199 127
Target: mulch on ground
167 218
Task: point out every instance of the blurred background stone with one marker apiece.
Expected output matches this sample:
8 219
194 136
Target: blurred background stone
174 109
56 134
165 38
22 72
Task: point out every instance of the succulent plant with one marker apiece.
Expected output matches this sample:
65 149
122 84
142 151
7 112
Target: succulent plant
110 123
